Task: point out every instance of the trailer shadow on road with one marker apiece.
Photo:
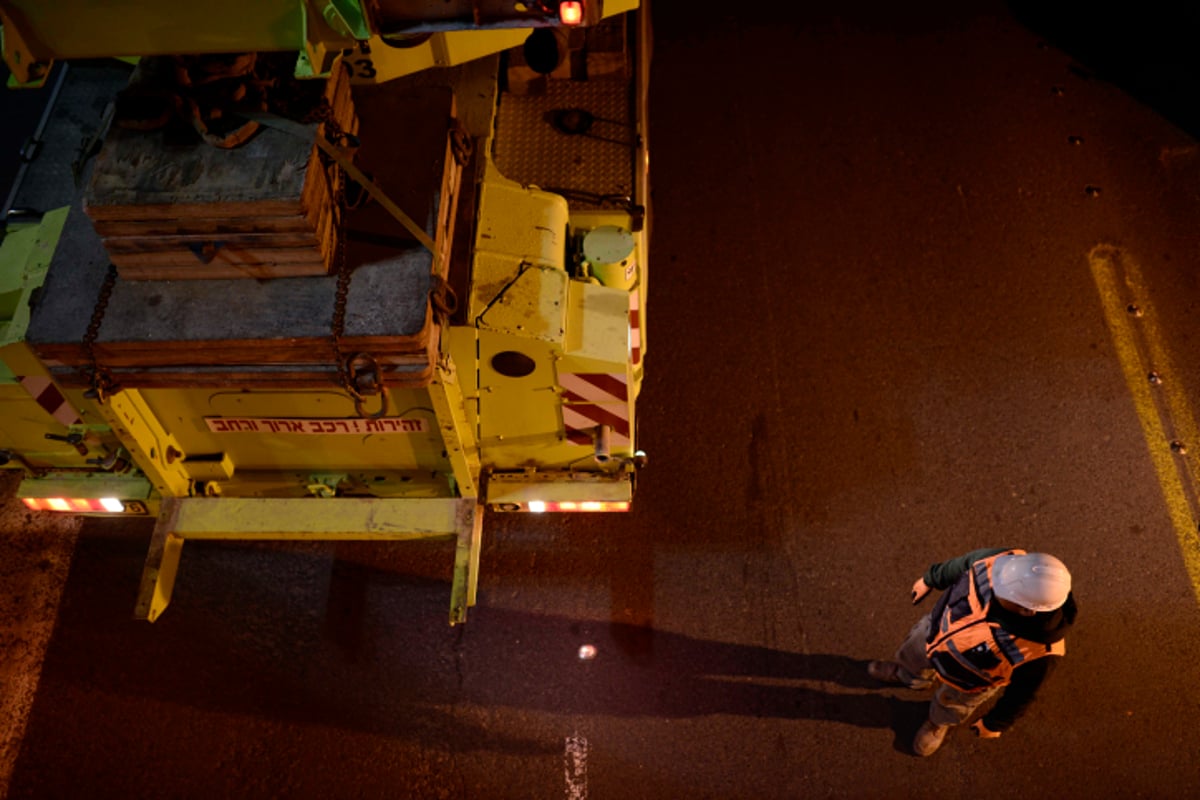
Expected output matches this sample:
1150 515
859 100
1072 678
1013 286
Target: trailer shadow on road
298 641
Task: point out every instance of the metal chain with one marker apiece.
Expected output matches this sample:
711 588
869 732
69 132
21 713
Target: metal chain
322 113
343 284
101 380
442 299
462 147
373 376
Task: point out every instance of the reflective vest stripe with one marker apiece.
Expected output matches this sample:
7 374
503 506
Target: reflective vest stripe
1009 645
983 577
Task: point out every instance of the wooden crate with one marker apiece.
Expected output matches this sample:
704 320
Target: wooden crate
265 209
267 334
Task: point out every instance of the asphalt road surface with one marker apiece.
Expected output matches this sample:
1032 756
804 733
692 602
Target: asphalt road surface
911 274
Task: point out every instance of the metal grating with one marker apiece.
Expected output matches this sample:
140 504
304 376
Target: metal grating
585 168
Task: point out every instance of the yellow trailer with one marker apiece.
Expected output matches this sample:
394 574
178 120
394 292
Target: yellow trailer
374 323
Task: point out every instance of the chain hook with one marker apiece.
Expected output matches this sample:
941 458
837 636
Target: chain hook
366 379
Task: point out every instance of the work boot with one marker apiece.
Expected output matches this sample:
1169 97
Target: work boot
929 738
891 672
884 671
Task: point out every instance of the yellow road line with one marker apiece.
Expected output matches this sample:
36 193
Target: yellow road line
1163 410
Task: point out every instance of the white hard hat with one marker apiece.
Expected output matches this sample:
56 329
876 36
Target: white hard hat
1035 581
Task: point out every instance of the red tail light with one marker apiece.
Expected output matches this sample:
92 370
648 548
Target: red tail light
570 12
538 506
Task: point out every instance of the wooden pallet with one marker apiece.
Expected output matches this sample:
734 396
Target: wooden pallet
265 209
269 334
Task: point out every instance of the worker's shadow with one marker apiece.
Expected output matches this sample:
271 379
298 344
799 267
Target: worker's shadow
524 660
638 671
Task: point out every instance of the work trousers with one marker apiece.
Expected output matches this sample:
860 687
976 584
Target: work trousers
950 706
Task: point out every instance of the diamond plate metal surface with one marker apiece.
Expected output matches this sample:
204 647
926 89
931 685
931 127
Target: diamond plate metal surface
586 167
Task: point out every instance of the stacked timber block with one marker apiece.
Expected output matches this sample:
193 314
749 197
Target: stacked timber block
171 209
237 334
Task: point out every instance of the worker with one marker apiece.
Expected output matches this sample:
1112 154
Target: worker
1025 601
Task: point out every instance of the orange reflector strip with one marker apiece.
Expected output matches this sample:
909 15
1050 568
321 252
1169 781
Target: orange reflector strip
538 506
570 12
74 504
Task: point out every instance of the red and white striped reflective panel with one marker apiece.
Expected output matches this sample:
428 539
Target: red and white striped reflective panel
635 328
47 395
538 506
595 398
75 504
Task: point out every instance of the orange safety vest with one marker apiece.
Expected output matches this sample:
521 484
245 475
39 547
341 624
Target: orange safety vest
971 652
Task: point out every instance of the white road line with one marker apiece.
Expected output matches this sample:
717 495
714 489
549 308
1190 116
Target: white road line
575 767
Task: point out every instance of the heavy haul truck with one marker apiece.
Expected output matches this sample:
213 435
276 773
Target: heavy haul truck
325 271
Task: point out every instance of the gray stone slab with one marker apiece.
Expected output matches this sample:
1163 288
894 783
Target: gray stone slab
76 118
387 297
403 147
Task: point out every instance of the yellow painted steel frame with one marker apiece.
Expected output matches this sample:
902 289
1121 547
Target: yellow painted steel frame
305 519
153 449
446 394
36 32
376 61
311 519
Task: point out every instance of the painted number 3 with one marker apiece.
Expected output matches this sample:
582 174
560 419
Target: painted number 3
363 68
361 65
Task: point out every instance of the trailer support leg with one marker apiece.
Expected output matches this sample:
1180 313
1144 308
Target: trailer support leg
162 565
466 560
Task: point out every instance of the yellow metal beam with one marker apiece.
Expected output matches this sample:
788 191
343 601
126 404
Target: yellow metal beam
311 519
461 445
157 452
162 565
556 488
466 562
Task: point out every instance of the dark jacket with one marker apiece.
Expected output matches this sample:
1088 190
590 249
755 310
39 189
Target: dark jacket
1046 627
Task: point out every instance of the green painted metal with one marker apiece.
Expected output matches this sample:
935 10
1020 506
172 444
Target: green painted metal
326 484
25 254
347 17
88 29
87 484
